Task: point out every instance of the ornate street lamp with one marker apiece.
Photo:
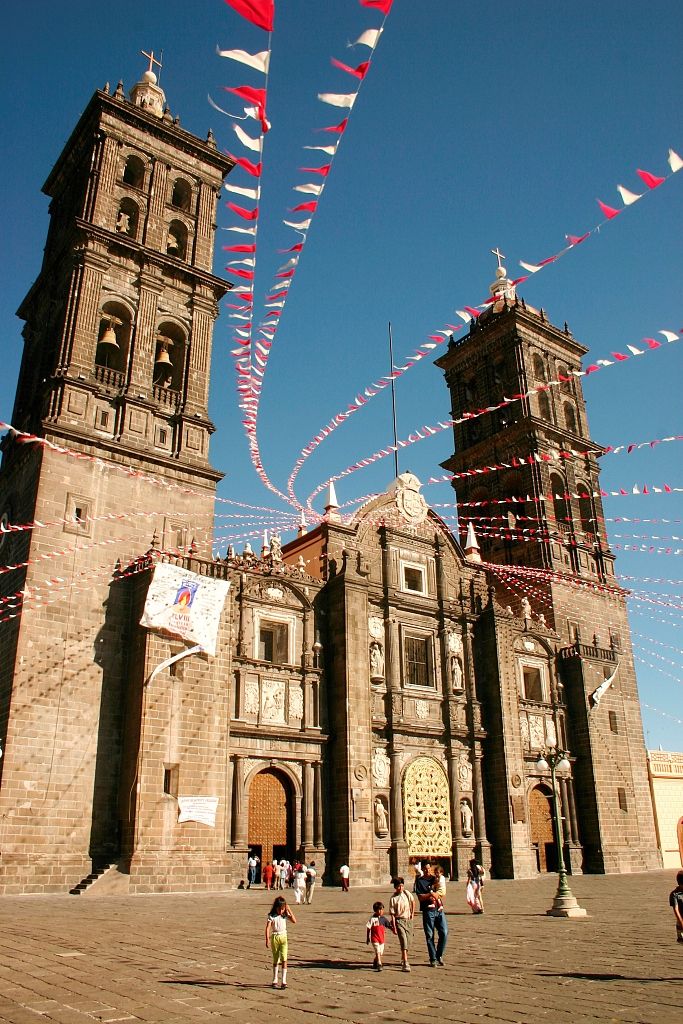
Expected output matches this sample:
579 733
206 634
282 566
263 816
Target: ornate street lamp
564 904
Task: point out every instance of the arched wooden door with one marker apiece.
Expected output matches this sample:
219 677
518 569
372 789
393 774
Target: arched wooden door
542 836
271 816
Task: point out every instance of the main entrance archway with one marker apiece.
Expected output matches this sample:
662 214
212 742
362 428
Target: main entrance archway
542 836
271 816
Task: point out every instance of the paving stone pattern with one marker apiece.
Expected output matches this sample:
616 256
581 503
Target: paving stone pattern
177 958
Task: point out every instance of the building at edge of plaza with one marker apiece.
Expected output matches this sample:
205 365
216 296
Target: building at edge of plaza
381 690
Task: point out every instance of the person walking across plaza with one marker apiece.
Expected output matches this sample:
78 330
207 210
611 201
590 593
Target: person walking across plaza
252 867
375 930
434 919
402 912
267 875
299 883
345 872
311 876
276 937
475 883
676 903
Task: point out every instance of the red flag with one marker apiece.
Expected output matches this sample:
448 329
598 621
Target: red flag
240 248
573 240
473 312
382 5
247 165
248 275
651 180
255 96
608 211
277 295
293 248
248 296
258 12
324 170
359 72
337 128
241 212
286 273
312 206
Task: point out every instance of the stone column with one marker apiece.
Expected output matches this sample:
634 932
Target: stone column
574 848
307 816
318 805
461 846
239 818
483 845
398 853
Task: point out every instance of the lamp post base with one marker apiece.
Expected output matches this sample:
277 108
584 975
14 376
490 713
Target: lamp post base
566 906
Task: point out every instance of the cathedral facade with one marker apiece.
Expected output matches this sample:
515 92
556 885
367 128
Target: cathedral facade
381 690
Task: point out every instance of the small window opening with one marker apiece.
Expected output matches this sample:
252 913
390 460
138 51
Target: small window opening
181 195
413 579
533 683
417 661
171 776
273 642
163 436
623 803
613 724
104 418
176 240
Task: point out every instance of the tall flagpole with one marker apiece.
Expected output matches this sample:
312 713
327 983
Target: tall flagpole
393 398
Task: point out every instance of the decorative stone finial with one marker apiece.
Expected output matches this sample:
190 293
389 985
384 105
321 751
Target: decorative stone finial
301 532
501 289
146 93
332 504
472 545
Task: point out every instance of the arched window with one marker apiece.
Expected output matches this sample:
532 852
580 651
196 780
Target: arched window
134 171
113 339
566 380
558 489
176 240
570 417
127 218
586 513
181 195
539 368
544 409
169 357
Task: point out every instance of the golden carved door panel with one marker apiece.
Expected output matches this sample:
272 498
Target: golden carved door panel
426 809
541 824
268 813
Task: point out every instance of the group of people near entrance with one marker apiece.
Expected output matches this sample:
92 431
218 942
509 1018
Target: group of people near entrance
299 877
429 896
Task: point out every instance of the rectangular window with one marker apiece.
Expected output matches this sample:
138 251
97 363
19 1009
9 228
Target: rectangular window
77 514
613 724
533 683
621 793
416 652
414 579
274 642
171 775
104 418
163 437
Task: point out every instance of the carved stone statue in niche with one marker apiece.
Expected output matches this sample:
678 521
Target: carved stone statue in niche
381 818
454 645
376 660
466 817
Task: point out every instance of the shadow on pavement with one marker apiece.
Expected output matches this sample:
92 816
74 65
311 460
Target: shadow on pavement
601 977
333 965
209 982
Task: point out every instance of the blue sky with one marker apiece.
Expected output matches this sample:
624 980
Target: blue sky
477 126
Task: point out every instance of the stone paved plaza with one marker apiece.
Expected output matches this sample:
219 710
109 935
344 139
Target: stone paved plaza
176 958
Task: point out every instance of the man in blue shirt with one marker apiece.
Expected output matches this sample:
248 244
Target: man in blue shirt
433 916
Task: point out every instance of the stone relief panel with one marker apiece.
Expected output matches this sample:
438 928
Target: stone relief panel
251 697
464 773
422 709
296 702
381 767
426 808
550 733
524 728
273 701
536 731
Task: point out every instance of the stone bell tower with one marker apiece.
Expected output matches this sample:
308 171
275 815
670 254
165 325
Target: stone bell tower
534 502
114 387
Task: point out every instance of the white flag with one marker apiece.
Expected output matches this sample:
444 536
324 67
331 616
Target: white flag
250 193
628 198
304 225
338 99
255 145
330 150
259 61
310 189
368 38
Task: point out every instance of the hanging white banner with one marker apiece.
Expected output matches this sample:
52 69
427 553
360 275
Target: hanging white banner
185 605
198 808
